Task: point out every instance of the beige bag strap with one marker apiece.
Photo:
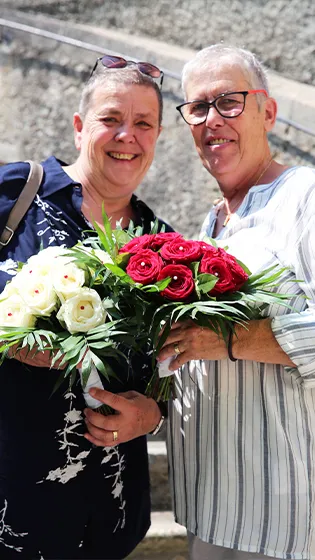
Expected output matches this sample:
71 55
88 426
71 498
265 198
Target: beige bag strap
23 203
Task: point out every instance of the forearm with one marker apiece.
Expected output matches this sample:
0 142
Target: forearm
257 343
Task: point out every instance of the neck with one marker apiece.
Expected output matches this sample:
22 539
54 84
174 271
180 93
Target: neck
94 199
233 195
234 187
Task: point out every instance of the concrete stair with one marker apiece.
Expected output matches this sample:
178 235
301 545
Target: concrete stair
165 540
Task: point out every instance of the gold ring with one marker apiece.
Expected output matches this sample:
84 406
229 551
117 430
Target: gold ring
115 436
176 349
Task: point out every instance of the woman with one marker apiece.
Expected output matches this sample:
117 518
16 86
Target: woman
242 437
60 497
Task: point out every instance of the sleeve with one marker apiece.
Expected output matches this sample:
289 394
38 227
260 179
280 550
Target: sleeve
295 332
12 180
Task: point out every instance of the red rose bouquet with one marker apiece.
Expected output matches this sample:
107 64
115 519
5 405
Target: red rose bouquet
161 278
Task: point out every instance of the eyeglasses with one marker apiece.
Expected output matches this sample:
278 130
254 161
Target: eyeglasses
146 68
228 105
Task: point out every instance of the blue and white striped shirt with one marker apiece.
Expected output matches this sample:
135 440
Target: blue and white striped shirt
242 435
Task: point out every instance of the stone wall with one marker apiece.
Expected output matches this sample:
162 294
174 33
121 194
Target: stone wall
281 32
40 84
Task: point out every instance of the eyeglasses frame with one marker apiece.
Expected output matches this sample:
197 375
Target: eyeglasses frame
129 63
213 104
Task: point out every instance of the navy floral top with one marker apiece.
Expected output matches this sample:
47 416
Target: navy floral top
61 498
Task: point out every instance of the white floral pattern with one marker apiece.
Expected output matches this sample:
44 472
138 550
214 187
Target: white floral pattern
117 486
5 530
9 266
53 222
75 463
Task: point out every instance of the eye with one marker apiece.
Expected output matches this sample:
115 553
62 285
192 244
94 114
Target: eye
109 120
144 125
198 108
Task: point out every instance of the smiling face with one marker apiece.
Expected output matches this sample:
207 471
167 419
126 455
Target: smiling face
230 147
117 137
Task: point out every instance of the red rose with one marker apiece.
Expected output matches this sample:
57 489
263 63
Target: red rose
231 275
145 266
136 244
159 239
181 251
206 247
182 283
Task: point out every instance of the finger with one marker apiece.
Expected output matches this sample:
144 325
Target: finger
171 350
108 423
179 361
117 402
100 438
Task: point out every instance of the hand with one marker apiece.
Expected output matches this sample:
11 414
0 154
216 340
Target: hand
194 343
135 416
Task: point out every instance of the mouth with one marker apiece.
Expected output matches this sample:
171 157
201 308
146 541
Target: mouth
121 156
218 141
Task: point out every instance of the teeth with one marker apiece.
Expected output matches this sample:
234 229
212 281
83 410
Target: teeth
218 141
117 155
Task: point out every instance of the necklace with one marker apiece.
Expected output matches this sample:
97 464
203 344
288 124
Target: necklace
229 211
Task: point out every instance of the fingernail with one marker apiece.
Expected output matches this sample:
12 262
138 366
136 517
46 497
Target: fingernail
92 392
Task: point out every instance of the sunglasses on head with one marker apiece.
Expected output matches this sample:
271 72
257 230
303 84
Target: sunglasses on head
146 68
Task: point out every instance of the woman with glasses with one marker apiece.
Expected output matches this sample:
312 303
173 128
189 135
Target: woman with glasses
60 496
242 428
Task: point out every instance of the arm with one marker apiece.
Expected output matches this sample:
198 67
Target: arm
256 343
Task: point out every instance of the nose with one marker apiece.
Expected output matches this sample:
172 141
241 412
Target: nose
125 133
214 119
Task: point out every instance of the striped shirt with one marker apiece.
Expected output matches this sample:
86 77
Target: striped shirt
242 435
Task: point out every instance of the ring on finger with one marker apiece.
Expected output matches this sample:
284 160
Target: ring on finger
177 349
115 435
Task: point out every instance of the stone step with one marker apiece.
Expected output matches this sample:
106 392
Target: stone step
160 490
165 540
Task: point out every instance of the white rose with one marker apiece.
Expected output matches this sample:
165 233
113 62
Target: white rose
14 313
82 312
66 279
39 295
47 255
45 261
10 290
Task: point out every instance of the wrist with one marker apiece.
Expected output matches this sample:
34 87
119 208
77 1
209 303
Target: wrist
163 410
230 349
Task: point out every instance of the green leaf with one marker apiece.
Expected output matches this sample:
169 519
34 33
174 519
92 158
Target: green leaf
86 368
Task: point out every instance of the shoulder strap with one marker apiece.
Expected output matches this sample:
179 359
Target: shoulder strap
23 202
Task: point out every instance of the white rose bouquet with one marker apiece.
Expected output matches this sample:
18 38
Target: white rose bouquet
60 301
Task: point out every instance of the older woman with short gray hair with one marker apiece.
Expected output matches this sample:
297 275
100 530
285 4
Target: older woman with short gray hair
242 427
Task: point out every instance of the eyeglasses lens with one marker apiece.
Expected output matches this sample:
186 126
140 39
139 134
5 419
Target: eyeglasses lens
231 105
118 62
149 69
113 62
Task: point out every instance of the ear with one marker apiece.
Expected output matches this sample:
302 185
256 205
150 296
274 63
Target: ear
270 109
77 126
160 130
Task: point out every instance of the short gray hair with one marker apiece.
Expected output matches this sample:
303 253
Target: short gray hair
246 60
130 75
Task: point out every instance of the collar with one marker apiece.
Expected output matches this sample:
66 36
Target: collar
55 177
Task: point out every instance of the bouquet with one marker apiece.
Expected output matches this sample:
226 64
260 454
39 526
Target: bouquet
165 278
60 303
125 287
